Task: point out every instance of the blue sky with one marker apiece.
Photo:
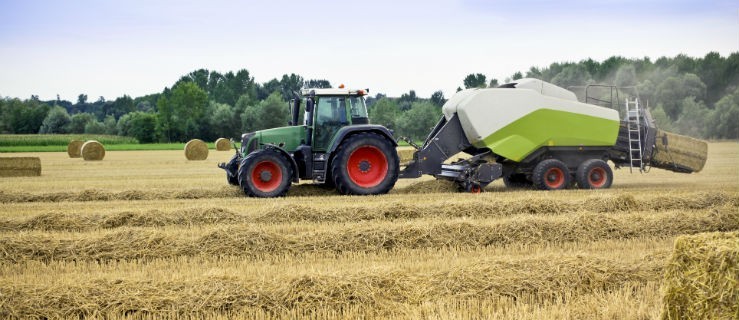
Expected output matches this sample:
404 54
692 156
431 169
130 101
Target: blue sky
137 47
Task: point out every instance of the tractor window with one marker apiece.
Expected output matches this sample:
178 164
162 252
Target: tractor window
358 110
331 115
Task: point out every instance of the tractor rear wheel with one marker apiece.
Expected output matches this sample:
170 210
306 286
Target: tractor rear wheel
265 173
517 180
365 164
594 174
551 174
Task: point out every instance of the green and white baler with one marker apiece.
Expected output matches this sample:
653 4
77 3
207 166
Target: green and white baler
533 133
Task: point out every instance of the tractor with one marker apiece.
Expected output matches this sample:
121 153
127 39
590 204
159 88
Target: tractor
334 144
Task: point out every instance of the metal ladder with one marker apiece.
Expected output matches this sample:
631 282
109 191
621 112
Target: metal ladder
633 118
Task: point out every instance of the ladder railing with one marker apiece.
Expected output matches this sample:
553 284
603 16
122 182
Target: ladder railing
633 121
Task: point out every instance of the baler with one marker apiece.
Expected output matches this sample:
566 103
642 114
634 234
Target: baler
534 133
529 133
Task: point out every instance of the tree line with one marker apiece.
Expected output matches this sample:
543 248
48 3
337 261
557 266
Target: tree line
693 96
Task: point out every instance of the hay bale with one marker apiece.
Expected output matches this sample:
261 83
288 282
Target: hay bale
701 277
223 144
74 148
20 166
92 151
196 149
679 153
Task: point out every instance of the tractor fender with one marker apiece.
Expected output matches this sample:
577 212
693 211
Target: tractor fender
293 164
349 130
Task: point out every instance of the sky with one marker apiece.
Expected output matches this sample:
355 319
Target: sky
138 47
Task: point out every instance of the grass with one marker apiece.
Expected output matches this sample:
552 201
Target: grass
148 234
10 140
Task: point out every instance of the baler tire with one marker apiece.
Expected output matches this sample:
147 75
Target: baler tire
594 174
365 164
258 170
517 180
551 174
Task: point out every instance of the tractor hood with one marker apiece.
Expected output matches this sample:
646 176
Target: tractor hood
288 138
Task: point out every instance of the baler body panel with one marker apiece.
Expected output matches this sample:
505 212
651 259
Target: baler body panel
514 122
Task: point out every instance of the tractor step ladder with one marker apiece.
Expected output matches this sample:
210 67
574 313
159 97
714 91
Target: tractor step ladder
633 117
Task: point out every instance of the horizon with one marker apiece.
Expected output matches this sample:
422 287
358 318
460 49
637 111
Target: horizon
138 48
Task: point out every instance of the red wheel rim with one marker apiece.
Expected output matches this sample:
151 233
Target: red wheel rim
367 166
597 177
266 176
554 178
475 189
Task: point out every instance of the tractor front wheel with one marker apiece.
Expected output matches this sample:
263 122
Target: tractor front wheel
594 174
365 164
551 174
265 173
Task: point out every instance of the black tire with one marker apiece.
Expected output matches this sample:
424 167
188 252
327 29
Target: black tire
517 180
594 174
232 170
265 173
551 174
365 164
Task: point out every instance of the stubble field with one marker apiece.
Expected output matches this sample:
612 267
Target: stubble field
148 234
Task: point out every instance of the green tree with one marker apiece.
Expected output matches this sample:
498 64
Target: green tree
56 121
574 75
438 99
79 121
188 102
270 113
223 121
671 92
140 125
692 120
724 121
94 127
385 112
476 80
417 122
18 116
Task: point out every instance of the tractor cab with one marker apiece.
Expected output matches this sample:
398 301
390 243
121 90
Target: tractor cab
333 143
327 111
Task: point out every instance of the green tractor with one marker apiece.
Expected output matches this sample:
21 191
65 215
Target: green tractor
334 144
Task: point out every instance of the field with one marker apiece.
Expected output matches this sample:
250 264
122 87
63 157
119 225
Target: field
148 234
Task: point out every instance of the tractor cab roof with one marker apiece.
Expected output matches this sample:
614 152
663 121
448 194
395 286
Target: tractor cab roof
335 92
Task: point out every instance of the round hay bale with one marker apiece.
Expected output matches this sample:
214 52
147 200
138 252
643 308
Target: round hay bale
92 151
223 144
74 148
196 149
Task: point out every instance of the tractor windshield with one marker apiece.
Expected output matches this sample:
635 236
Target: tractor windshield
334 112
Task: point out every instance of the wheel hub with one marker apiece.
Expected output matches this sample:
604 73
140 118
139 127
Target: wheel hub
596 176
265 176
364 166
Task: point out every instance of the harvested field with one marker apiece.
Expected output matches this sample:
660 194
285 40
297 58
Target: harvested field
702 276
151 235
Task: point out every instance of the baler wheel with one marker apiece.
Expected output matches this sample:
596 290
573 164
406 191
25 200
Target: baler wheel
551 174
594 174
365 163
265 173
